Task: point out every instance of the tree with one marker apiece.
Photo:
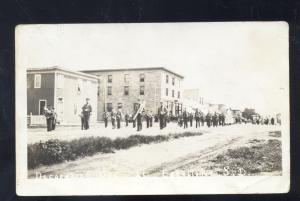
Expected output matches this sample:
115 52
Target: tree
248 113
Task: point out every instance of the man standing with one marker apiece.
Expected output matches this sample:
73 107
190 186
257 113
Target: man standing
202 118
113 119
185 119
161 116
53 118
48 114
151 118
126 119
208 119
133 121
119 117
105 118
191 119
139 121
86 109
197 118
147 119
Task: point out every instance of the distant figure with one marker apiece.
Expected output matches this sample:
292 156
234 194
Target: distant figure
113 119
133 121
272 121
54 115
119 117
208 120
147 119
185 119
191 119
151 118
197 118
105 118
49 117
126 119
86 109
202 119
139 121
161 114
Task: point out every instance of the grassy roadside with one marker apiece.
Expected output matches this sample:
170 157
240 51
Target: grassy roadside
56 151
262 156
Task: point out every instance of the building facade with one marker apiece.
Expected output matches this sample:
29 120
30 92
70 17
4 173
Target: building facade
64 89
125 88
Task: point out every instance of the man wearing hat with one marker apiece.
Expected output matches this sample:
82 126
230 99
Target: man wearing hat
86 110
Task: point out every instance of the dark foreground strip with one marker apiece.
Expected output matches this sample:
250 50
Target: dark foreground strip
56 151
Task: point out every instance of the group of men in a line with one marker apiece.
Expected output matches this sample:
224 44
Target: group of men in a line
264 121
116 118
211 120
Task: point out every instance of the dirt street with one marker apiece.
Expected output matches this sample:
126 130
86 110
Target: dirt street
158 159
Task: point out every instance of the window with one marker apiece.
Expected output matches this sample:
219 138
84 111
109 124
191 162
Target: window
42 105
142 90
167 92
173 93
37 81
109 90
120 105
173 81
109 78
109 107
126 78
60 81
126 90
167 79
142 77
178 94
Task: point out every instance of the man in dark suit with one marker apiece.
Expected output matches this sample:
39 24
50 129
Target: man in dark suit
118 117
87 109
139 121
185 119
105 118
197 118
49 116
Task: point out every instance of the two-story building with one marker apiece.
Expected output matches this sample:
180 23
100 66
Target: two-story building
66 90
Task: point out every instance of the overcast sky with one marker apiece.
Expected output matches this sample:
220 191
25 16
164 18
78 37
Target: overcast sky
238 64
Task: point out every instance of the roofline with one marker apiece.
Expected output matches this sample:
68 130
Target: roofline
64 70
132 69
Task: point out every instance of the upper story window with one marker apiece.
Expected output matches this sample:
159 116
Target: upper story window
109 90
126 78
173 93
109 78
126 90
173 80
167 79
37 81
142 90
167 91
142 77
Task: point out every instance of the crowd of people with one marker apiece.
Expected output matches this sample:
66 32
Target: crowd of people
163 117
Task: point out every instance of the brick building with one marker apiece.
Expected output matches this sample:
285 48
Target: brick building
125 88
64 89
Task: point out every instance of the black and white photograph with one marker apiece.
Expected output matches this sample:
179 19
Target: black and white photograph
152 108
